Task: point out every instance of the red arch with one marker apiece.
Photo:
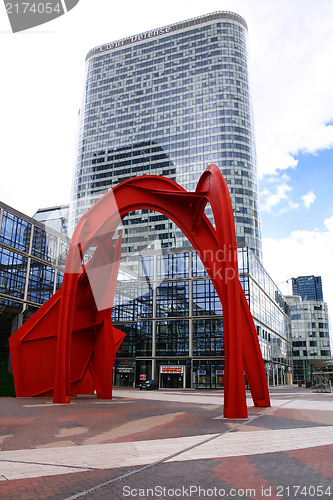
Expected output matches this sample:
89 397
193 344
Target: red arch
81 334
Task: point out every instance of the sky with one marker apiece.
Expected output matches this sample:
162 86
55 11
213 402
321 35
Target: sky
291 75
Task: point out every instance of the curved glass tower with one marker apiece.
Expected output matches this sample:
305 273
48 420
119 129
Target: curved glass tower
169 102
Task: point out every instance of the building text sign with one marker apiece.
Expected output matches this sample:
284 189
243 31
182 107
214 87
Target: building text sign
172 369
125 41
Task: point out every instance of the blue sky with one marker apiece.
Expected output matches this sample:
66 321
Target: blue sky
291 75
305 199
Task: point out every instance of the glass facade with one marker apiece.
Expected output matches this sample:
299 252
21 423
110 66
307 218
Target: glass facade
166 102
310 337
169 102
54 217
308 287
208 337
174 321
32 260
169 310
270 313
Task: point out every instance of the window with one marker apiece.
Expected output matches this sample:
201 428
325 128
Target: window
13 272
198 268
172 299
15 232
44 245
138 340
41 279
208 337
205 298
173 266
172 338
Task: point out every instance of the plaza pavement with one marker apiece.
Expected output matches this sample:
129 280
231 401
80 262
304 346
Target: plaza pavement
167 444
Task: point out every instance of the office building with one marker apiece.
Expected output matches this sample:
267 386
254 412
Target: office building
308 287
169 309
32 260
169 102
310 337
54 217
173 322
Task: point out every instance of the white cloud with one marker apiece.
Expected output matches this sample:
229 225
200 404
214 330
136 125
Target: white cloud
290 206
290 54
308 199
291 80
271 200
302 253
276 177
290 46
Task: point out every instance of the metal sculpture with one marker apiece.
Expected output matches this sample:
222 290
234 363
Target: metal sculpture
69 345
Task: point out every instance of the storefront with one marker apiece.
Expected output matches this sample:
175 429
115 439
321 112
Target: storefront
125 375
172 377
208 374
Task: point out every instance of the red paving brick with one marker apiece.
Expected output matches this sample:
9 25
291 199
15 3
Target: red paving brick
29 425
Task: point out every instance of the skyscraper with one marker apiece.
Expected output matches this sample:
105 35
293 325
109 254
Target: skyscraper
308 287
55 217
310 337
32 260
169 102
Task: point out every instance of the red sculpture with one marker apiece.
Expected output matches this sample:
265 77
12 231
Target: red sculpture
69 345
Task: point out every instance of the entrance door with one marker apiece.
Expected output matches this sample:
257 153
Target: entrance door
172 376
172 381
124 378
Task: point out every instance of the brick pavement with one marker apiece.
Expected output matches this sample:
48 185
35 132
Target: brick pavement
123 448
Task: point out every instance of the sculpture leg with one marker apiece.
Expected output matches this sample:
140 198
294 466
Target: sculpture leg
234 391
61 393
103 361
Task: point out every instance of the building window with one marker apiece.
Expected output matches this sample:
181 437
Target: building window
13 270
138 340
63 250
41 279
172 266
205 299
146 268
172 299
15 232
44 245
124 303
172 338
208 337
198 268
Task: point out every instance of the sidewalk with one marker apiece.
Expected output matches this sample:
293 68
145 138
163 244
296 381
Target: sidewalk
167 444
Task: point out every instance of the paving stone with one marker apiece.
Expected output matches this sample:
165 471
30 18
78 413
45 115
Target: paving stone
273 448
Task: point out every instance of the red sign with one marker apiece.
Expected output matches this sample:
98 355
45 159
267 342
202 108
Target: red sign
172 369
143 377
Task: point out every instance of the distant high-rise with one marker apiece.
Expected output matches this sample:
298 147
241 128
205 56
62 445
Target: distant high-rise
32 260
169 102
54 217
310 337
308 287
